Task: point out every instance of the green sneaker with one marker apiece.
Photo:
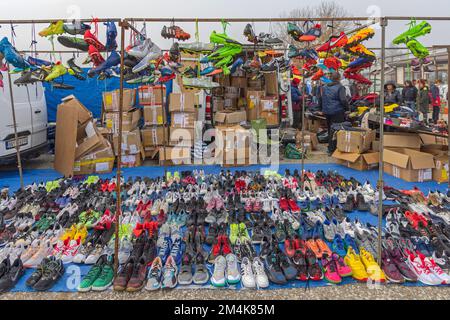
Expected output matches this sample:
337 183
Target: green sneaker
143 79
89 279
234 231
169 176
106 277
293 52
224 62
225 52
222 38
294 31
243 232
73 43
176 176
415 30
417 49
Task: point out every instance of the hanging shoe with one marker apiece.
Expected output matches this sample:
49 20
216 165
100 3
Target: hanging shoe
153 54
111 35
196 48
334 42
28 77
312 34
12 56
92 40
112 61
95 56
414 31
76 28
221 38
38 62
58 70
75 74
360 36
73 66
294 31
250 34
417 49
73 43
54 28
361 51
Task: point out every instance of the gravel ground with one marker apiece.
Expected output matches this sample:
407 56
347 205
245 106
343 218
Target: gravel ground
347 292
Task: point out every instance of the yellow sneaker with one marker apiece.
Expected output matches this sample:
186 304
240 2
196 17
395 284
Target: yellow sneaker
361 51
81 234
354 262
360 36
69 233
58 70
53 29
373 269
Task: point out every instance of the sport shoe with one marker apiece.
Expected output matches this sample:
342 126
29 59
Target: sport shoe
260 275
218 278
106 277
169 278
154 275
248 278
89 279
233 274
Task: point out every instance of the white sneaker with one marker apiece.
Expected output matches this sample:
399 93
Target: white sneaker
70 251
422 272
124 250
347 228
44 251
82 253
248 278
95 254
30 251
218 277
262 281
436 270
233 274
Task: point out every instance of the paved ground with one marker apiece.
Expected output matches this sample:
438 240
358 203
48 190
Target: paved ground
348 292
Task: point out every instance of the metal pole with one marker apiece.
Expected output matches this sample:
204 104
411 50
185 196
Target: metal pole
303 132
122 25
448 105
163 106
16 136
383 23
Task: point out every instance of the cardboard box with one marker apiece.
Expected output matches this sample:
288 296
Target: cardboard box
224 81
154 136
132 160
271 83
183 119
235 137
402 140
408 164
440 155
175 155
111 100
271 117
100 160
182 136
355 141
230 103
183 102
131 143
72 119
432 140
357 161
218 104
230 117
315 125
310 138
257 84
254 104
151 95
130 120
239 82
154 115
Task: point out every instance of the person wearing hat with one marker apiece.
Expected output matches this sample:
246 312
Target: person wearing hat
391 94
296 98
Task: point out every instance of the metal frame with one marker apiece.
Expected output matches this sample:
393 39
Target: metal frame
124 24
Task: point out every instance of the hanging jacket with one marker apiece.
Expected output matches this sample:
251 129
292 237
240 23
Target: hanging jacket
423 100
333 99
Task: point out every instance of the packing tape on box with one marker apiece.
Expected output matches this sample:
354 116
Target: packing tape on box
348 137
85 163
395 171
155 136
182 102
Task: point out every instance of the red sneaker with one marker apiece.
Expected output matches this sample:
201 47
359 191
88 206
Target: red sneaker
300 244
226 248
289 247
161 217
293 206
112 186
92 40
95 55
284 204
412 218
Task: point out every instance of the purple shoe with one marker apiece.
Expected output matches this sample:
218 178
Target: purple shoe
399 260
390 269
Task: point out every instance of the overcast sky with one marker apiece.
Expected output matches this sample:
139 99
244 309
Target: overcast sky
68 9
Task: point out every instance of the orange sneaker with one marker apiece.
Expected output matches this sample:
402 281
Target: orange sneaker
311 244
323 247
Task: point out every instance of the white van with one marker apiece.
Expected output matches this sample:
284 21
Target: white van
31 117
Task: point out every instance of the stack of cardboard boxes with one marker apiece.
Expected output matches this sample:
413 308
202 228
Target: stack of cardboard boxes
154 133
233 146
353 149
80 148
132 150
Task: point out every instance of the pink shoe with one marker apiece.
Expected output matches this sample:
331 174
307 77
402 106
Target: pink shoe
219 203
342 269
248 205
257 205
331 271
211 204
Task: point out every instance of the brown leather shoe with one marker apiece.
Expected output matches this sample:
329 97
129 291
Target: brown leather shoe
124 275
138 276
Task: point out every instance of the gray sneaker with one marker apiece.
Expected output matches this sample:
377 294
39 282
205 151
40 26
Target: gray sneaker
201 275
154 276
218 277
185 275
170 274
233 274
222 217
211 217
329 231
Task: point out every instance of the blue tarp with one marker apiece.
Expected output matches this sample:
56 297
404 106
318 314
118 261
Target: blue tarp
71 278
89 92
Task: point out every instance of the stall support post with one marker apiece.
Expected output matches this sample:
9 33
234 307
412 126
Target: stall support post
448 105
303 133
123 25
16 136
163 106
383 23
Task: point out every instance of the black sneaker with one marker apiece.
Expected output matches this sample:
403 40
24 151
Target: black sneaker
349 205
212 234
38 273
53 271
361 204
12 276
274 271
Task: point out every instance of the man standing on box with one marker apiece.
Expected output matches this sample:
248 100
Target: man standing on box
296 98
334 104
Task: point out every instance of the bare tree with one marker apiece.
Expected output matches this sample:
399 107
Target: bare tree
324 9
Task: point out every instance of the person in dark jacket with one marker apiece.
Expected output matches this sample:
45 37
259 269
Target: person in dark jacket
391 94
423 99
334 104
296 98
409 95
435 100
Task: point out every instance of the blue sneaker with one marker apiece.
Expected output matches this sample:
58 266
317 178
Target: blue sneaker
207 70
338 246
350 242
12 56
112 61
38 62
111 35
236 64
176 251
164 248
